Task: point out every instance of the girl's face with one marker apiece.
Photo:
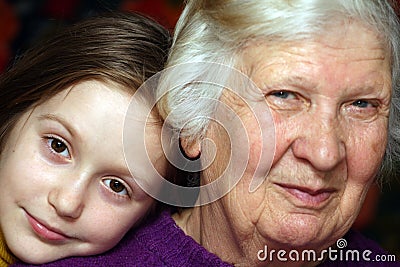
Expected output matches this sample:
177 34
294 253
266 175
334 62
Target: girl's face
65 188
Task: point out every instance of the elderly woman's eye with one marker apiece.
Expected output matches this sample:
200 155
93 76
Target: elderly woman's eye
58 146
285 100
363 108
116 186
283 94
362 104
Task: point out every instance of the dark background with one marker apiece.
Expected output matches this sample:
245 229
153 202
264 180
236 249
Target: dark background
24 22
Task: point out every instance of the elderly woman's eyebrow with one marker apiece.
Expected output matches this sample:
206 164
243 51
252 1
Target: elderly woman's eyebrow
290 80
302 82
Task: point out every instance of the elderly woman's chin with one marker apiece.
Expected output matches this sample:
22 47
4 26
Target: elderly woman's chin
288 222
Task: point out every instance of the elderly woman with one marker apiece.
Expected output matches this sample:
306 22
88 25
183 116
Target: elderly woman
328 71
325 129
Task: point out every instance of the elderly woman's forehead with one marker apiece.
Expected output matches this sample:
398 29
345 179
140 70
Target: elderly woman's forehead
353 39
354 30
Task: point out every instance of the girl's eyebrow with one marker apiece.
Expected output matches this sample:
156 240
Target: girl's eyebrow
70 129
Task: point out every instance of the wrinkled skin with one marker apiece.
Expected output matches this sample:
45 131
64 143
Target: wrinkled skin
329 98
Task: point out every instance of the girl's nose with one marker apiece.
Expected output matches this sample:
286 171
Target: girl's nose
68 199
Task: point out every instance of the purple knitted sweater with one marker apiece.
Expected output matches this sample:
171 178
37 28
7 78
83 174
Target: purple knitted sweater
160 242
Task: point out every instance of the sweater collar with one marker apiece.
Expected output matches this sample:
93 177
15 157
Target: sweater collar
6 257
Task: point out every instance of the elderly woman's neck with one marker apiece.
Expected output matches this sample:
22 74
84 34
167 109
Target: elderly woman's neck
206 225
209 226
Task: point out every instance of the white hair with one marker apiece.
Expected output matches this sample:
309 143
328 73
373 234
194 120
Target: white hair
216 30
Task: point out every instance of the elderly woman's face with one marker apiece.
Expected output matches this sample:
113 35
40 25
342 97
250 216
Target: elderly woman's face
329 99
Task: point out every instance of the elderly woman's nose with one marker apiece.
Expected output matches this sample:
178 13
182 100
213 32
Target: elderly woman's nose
319 142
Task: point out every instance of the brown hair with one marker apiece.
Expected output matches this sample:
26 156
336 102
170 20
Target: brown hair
125 49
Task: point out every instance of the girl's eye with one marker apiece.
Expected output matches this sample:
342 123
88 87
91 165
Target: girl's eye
58 147
116 186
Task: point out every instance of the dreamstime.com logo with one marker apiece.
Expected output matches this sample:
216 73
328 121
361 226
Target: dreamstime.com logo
339 253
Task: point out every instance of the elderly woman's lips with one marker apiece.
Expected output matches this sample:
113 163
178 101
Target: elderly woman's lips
308 196
44 231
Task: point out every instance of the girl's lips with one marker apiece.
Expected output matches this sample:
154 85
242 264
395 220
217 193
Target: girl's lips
43 231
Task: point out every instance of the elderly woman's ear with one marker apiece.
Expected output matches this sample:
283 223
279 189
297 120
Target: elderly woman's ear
190 148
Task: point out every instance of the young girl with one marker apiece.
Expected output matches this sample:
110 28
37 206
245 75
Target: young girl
65 189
